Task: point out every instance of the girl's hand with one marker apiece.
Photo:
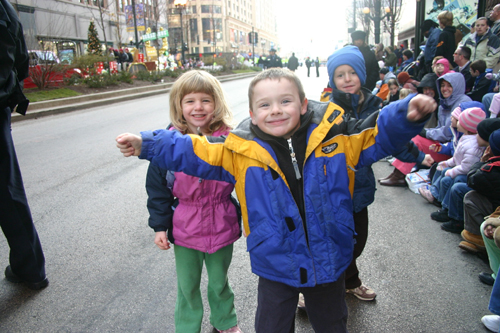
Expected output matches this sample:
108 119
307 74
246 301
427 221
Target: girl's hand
129 144
440 167
435 148
489 230
447 173
161 240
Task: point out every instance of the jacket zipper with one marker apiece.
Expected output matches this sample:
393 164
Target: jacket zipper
294 159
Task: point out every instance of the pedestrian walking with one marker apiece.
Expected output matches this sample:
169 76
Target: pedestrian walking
308 65
27 262
316 63
293 63
204 225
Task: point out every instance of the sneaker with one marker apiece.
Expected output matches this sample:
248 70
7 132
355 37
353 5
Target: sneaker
426 194
301 304
362 292
441 215
491 322
453 226
234 329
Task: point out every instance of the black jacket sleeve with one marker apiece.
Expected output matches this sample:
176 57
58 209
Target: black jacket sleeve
160 199
484 177
480 89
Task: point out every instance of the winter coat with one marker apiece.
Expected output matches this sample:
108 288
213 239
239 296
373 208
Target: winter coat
274 61
466 154
482 86
484 177
283 247
469 80
204 219
364 182
442 131
391 59
371 65
486 48
431 45
293 63
446 45
15 64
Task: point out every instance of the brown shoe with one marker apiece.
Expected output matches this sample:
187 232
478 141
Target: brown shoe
385 178
469 247
396 179
477 240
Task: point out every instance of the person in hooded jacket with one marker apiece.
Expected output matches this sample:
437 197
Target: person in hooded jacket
451 94
446 43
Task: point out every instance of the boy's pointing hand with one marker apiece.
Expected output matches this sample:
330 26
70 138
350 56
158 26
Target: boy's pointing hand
129 144
420 106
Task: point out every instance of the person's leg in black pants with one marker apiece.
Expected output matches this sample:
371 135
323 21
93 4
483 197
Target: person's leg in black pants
326 307
27 261
352 280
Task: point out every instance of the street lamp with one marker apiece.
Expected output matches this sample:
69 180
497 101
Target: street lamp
181 4
377 18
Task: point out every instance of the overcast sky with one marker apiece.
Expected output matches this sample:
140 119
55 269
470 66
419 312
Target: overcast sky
311 28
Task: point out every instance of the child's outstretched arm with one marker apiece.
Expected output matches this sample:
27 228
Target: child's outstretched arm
129 144
419 107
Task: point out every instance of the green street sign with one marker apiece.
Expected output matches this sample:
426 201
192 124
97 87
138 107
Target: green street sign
163 34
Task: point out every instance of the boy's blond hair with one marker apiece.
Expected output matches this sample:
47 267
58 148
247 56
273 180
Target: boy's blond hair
403 93
199 81
445 18
276 74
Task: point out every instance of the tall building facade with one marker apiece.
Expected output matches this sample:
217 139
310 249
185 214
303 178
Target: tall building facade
62 25
223 26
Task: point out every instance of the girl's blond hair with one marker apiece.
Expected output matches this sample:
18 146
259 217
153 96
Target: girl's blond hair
199 81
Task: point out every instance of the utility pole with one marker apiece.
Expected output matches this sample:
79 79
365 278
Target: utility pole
135 26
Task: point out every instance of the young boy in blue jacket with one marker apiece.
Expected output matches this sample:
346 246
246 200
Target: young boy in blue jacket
293 164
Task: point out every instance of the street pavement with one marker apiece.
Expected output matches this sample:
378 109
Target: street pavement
106 274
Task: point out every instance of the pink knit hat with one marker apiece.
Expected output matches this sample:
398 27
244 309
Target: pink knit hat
469 118
456 112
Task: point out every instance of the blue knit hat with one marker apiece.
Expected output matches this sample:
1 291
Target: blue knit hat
348 55
495 142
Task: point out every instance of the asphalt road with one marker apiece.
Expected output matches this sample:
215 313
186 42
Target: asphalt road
106 274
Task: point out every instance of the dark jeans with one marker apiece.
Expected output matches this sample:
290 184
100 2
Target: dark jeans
361 227
26 256
277 303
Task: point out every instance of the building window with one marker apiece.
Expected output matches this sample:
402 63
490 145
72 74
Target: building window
193 9
210 9
193 27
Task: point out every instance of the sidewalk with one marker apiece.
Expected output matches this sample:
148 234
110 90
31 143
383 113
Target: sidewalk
62 105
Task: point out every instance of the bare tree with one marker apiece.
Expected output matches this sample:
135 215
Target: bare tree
115 18
393 16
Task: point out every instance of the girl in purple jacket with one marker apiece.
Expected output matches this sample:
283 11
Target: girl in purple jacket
204 223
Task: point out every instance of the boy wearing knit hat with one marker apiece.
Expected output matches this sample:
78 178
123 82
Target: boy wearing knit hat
456 168
347 75
292 163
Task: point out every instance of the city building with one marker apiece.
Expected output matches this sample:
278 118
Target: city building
222 26
209 26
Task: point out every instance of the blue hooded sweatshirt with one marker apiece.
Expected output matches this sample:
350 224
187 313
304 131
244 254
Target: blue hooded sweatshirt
442 132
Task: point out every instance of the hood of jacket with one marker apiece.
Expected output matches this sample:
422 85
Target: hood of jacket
457 81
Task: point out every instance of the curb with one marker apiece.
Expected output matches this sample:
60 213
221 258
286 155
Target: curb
69 104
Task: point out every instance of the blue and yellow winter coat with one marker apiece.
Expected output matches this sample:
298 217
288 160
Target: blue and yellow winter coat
280 249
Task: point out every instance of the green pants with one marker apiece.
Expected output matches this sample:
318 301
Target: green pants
189 305
493 252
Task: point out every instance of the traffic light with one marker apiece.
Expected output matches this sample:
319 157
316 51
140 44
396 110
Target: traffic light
185 48
255 37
